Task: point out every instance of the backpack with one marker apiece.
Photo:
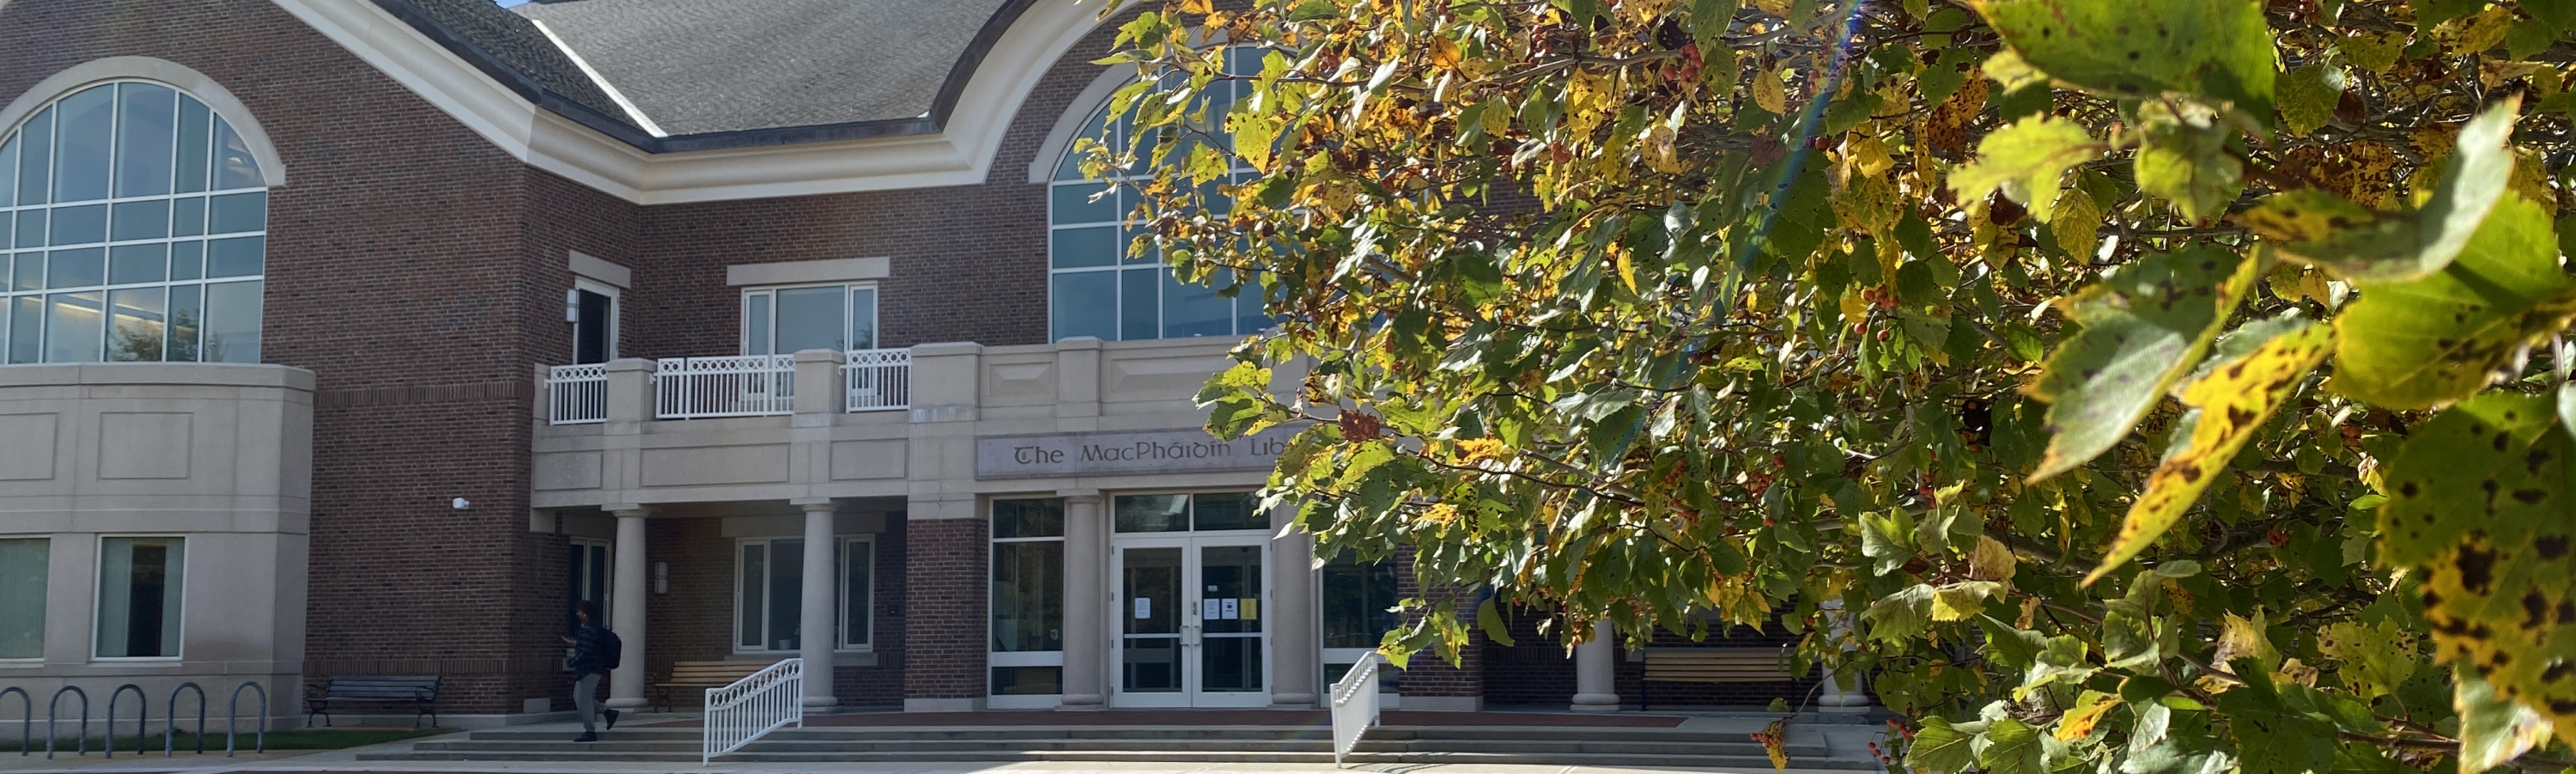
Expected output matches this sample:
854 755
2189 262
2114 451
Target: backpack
610 648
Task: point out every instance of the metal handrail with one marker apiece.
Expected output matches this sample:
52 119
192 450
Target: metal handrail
26 718
232 712
575 395
741 713
169 732
1355 705
724 386
876 380
53 707
142 717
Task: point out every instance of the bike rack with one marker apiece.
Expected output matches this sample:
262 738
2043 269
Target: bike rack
232 711
142 717
27 718
52 707
171 731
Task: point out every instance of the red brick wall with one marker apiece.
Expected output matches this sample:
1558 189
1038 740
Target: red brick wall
694 621
1428 674
944 643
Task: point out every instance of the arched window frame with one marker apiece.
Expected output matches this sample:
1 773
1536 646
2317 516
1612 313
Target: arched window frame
159 256
1095 286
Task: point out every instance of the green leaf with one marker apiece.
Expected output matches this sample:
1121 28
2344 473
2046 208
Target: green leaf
2026 160
2308 97
2012 747
1489 618
1941 747
2324 229
2493 729
2185 160
1957 601
2478 504
1900 615
2144 327
1708 22
2232 403
2216 48
1887 539
2416 344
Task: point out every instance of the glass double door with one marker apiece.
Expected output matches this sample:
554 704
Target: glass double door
1191 612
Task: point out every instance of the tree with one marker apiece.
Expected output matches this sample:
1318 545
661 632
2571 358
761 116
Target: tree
2175 386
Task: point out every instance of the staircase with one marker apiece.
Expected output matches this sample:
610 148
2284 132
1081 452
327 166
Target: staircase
1215 744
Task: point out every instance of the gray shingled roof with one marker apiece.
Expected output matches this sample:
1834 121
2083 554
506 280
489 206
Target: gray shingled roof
473 26
698 66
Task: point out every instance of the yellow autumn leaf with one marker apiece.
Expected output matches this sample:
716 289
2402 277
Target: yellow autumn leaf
2231 403
1769 93
2077 224
2080 720
1197 6
2239 637
1444 52
1992 561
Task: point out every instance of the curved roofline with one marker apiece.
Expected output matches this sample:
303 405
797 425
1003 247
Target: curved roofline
207 91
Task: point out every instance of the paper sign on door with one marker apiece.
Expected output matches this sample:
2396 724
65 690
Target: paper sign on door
1208 609
1144 607
1231 610
1251 608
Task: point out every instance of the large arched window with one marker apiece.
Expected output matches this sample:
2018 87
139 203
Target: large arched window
133 226
1096 288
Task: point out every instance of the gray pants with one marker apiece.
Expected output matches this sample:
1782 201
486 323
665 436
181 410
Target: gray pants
585 697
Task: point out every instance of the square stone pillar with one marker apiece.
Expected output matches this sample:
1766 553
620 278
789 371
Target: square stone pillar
1077 377
1296 646
1086 600
626 607
630 392
818 382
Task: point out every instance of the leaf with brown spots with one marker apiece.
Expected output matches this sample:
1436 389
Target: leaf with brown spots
2216 48
2421 343
2144 327
2479 503
2357 243
2230 404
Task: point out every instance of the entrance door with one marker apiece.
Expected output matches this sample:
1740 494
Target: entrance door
1190 612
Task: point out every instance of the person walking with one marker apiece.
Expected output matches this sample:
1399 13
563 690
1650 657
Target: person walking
594 652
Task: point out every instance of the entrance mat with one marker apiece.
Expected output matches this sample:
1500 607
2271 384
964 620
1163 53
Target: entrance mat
1200 717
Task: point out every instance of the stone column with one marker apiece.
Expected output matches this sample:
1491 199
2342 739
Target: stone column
816 635
1596 672
630 391
818 383
1296 646
1086 595
626 613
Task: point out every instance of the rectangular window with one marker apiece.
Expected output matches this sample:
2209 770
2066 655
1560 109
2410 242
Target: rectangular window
140 580
769 589
1358 601
1201 512
783 321
588 571
1028 575
23 563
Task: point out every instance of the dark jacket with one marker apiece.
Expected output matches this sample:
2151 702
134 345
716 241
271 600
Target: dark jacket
589 650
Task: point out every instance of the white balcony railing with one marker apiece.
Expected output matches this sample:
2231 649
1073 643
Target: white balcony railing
728 386
740 713
577 394
878 379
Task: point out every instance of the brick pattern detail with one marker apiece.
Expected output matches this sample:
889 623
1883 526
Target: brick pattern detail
1429 675
944 643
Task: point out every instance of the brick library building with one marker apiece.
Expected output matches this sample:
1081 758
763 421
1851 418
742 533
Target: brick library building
366 337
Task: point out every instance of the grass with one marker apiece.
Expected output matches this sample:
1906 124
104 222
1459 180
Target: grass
300 739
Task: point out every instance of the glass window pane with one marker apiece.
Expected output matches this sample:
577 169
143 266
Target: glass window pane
76 268
786 594
194 124
35 162
1028 596
75 327
1150 621
236 257
185 315
810 318
26 329
753 588
1028 681
1194 309
1085 304
1075 248
1028 518
1249 316
1355 602
1152 513
135 318
188 216
9 172
31 272
1071 203
147 118
236 213
858 576
231 330
8 231
187 260
1136 246
149 219
1139 312
129 264
1228 510
139 582
234 167
79 225
755 324
863 318
81 145
23 567
31 228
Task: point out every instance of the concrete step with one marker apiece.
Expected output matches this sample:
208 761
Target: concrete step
1713 761
777 746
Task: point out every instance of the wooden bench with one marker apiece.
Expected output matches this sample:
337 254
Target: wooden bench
1712 665
420 691
702 675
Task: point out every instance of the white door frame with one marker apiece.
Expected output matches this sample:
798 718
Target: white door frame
1192 634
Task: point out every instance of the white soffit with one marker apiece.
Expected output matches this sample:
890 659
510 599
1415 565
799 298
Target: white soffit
962 155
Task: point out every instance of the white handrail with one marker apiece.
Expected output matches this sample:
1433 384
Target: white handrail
1354 705
577 394
877 379
727 386
740 713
